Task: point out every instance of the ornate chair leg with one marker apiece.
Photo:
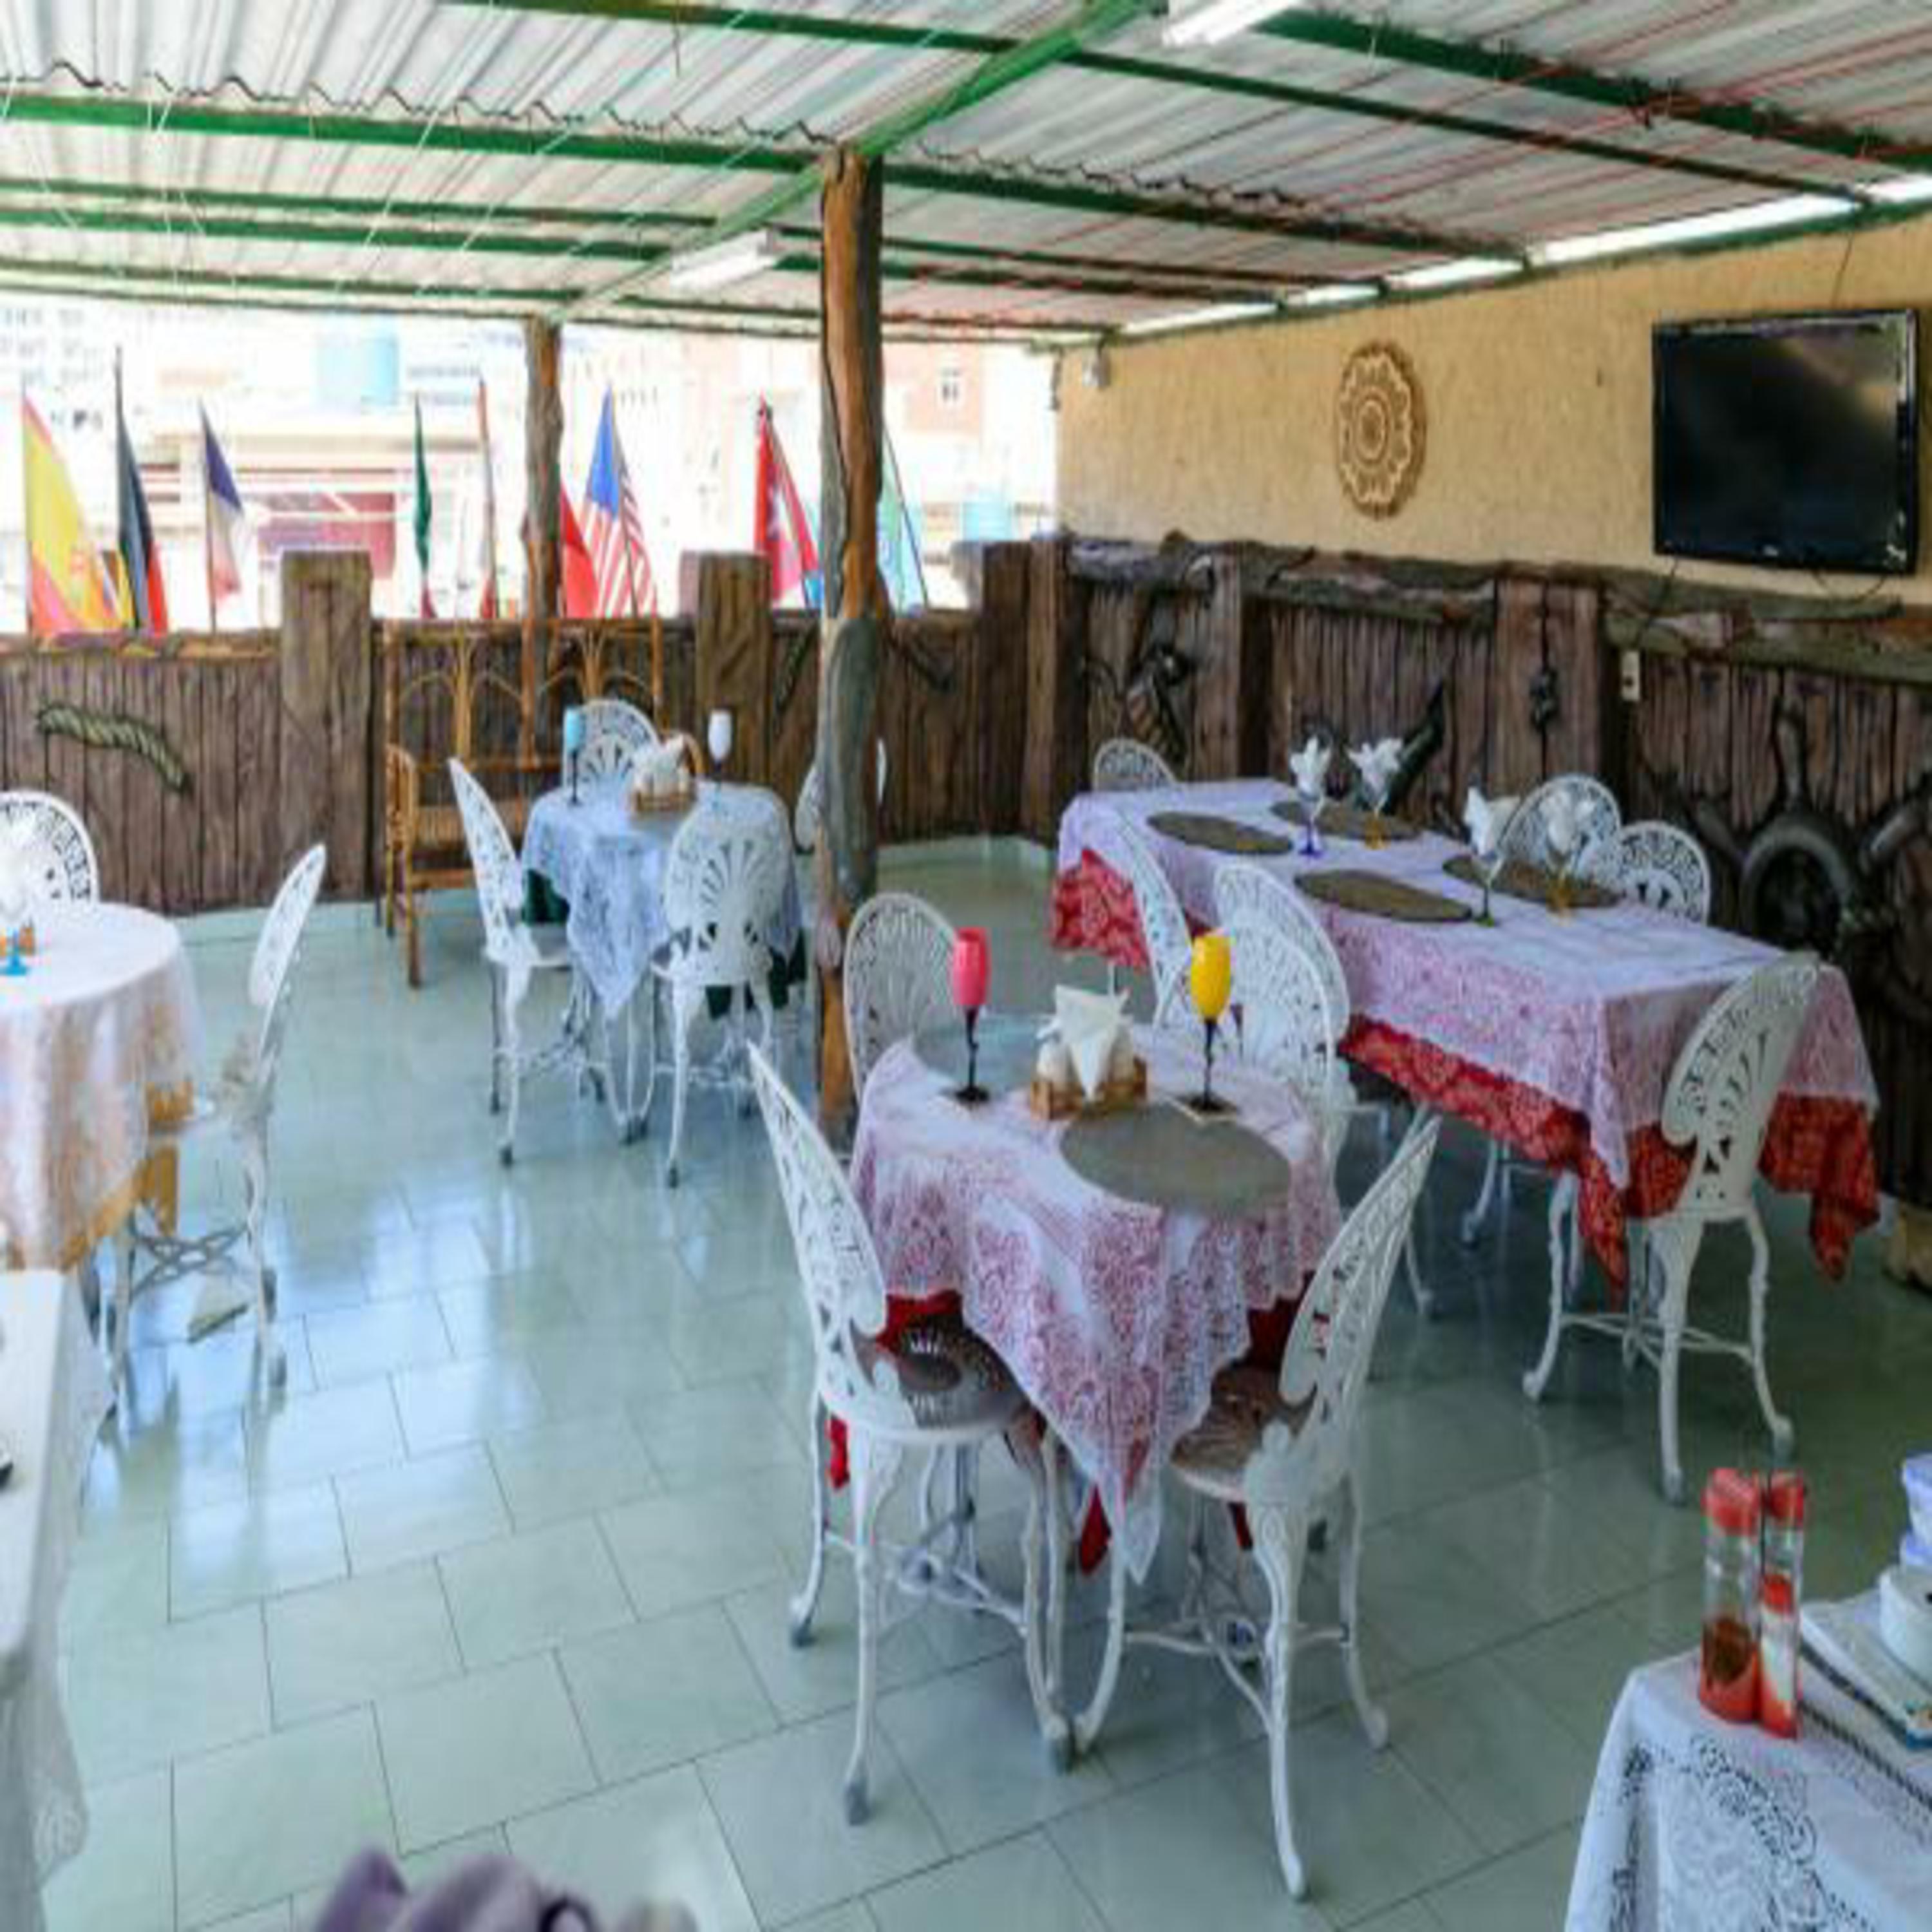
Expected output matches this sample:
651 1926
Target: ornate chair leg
510 1058
805 1605
1782 1437
1537 1379
255 1189
127 1256
1479 1213
1677 1253
1418 1289
1087 1726
495 1039
1278 1541
875 1473
685 1002
1374 1719
1029 1442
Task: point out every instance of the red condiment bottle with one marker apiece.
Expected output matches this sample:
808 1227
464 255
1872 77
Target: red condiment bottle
1727 1673
1781 1592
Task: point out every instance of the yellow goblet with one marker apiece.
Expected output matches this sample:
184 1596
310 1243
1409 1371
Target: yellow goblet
1210 979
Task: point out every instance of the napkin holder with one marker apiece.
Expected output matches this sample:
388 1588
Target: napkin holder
1052 1100
662 778
1088 1031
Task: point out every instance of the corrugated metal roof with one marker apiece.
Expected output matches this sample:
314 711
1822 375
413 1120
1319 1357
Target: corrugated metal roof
406 153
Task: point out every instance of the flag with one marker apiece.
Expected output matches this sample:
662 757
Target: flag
68 587
146 607
486 605
224 522
422 514
899 561
580 573
612 528
780 531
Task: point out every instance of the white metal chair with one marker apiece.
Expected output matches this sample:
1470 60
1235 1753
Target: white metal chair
1287 1449
1658 864
723 883
938 1388
241 1104
1244 892
1125 764
1526 839
60 854
614 732
1718 1104
898 968
516 959
1164 931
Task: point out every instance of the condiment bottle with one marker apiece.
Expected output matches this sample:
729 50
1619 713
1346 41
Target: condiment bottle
1782 1593
1727 1675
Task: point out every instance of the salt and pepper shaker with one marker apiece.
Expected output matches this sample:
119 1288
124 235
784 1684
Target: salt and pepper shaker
1728 1668
1781 1593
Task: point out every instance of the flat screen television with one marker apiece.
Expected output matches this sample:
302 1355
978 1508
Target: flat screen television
1790 440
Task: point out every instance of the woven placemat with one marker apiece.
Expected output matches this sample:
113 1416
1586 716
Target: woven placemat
1163 1158
1220 835
1009 1045
1386 898
1519 880
1346 821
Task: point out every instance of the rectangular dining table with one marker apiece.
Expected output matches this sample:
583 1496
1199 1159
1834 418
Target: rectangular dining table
1553 1033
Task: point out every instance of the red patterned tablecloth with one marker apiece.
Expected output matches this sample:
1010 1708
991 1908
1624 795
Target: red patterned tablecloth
1555 1037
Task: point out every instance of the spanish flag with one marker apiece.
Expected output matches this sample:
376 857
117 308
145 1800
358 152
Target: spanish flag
68 588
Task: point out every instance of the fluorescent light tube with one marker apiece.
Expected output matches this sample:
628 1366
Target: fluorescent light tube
1333 295
1454 274
1199 318
1792 210
726 261
1218 20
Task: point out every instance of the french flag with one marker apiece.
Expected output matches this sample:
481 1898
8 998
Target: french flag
227 520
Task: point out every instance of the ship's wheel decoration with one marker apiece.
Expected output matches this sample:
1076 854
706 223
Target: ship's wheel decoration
1379 430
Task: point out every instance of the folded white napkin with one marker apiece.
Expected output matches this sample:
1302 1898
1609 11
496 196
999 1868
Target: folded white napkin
1088 1025
656 768
1377 763
1488 819
1310 767
1562 823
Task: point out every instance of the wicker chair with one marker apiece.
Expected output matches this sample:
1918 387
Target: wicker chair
241 1106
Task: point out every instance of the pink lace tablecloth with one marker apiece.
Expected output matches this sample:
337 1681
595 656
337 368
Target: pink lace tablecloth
98 1044
1114 1318
1580 1016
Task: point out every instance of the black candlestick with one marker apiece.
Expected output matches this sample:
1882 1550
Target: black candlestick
1205 1102
574 798
972 1093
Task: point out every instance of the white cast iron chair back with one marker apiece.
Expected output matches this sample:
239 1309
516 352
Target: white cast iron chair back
242 1103
1718 1104
511 951
1282 1026
1164 931
724 882
898 977
1598 817
1658 864
60 853
1243 890
614 732
1125 764
857 1382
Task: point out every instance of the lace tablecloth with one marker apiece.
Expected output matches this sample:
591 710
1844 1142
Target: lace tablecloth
1557 1034
53 1393
608 862
1114 1318
1697 1825
97 1043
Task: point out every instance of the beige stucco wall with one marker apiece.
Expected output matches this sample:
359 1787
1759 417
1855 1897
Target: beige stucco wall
1537 399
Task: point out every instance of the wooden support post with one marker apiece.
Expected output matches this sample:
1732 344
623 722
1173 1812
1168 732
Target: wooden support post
1001 582
852 634
543 498
730 601
330 720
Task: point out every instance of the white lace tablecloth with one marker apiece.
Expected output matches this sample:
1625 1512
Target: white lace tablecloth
53 1393
608 862
98 1042
1589 1009
1697 1825
1114 1318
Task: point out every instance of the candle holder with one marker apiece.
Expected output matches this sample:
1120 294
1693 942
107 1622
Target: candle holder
1208 1101
1489 864
972 1094
1210 979
971 969
720 733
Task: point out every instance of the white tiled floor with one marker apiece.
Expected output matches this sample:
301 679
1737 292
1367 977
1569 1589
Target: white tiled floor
507 1563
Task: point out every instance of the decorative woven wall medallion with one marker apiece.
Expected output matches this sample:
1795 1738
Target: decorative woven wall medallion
1379 431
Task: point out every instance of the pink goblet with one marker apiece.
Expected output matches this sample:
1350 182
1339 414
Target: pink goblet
972 966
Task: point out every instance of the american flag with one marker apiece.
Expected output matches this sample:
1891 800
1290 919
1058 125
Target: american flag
613 531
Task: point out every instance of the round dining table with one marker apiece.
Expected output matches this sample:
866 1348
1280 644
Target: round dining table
1114 1303
99 1037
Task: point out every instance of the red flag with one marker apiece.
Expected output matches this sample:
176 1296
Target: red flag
579 572
780 532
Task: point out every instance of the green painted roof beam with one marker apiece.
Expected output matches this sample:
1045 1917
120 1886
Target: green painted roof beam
767 23
1543 73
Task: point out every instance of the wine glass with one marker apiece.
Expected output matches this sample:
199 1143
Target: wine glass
719 731
1211 976
1314 802
972 965
1489 863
